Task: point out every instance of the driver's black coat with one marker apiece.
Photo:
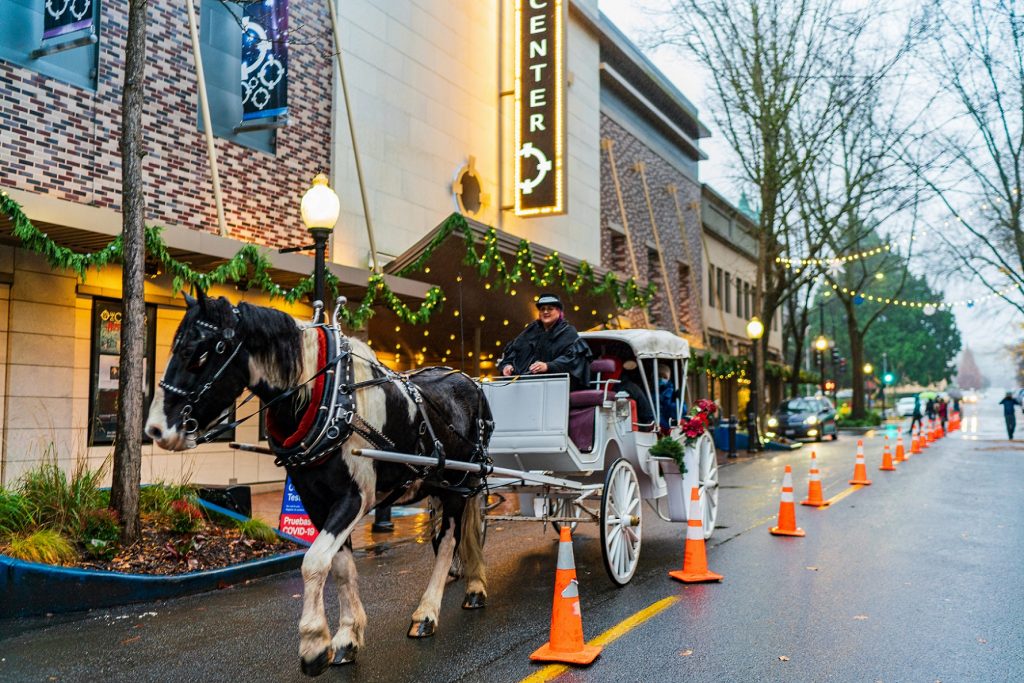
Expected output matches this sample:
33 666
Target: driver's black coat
560 347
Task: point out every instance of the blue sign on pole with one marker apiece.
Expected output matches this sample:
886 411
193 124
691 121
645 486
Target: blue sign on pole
293 520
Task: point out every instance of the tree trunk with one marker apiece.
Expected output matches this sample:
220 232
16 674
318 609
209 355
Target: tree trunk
857 407
124 493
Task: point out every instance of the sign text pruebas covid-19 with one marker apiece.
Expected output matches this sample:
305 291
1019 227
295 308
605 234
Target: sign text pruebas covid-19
539 108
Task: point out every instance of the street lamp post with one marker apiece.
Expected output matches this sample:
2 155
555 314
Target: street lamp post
820 344
320 209
755 330
868 369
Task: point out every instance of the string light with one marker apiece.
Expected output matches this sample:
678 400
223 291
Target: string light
939 305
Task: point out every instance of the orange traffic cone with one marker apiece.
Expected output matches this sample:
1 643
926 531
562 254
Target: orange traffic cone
887 465
901 455
695 559
915 442
566 640
925 437
860 470
787 510
814 498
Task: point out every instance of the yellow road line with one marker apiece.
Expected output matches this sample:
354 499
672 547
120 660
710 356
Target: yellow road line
554 670
843 494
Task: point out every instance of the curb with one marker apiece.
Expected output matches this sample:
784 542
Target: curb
33 589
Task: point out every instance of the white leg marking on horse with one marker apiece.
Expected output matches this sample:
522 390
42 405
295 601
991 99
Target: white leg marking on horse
314 635
430 603
352 622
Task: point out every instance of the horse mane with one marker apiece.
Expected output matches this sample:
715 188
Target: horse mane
273 338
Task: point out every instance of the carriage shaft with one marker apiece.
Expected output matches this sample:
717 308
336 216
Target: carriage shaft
460 466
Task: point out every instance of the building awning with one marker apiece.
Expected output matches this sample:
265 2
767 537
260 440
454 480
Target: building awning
85 229
486 306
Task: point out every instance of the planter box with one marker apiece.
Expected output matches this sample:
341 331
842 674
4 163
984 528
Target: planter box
678 500
31 589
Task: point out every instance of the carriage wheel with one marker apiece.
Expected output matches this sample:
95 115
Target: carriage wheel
707 483
620 522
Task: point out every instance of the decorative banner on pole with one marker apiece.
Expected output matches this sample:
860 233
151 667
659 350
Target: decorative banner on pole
65 16
539 107
265 59
294 520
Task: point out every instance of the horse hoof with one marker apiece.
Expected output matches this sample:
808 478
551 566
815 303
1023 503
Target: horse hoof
474 601
318 665
422 629
346 656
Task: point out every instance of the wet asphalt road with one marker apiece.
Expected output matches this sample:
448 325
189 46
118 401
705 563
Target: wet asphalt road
915 578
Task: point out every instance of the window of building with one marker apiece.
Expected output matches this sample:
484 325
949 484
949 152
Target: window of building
711 286
728 293
685 294
718 287
618 253
104 370
220 37
21 35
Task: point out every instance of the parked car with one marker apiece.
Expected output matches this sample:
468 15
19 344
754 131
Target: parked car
905 406
801 418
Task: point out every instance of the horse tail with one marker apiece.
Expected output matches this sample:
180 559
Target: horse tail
471 546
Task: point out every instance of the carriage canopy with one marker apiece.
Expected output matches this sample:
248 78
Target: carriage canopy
644 343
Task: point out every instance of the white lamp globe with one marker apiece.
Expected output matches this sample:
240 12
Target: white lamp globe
320 205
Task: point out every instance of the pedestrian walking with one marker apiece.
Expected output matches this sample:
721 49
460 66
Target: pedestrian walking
929 409
915 417
942 408
1009 414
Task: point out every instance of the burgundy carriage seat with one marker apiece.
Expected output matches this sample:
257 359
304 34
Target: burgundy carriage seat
583 405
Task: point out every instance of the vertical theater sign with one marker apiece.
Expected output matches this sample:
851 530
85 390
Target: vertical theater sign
539 108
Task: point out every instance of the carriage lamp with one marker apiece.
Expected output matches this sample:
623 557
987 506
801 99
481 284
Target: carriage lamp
320 209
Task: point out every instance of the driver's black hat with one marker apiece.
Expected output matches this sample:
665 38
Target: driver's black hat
549 300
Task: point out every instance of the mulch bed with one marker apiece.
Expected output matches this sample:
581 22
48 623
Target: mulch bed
162 552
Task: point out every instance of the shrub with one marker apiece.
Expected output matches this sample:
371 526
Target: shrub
46 546
257 530
15 513
101 530
157 498
57 502
872 418
184 517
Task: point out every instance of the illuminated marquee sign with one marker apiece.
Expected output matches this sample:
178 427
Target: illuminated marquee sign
539 108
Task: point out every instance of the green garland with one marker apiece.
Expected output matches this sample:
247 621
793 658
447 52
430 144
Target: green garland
626 295
249 266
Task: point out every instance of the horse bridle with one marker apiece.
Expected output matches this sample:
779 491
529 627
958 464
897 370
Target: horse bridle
227 338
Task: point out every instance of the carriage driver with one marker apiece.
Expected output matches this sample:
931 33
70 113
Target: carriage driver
548 345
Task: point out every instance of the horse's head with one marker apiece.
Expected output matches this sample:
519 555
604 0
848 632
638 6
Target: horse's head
207 371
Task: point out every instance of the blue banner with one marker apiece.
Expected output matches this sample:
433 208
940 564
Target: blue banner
65 16
265 59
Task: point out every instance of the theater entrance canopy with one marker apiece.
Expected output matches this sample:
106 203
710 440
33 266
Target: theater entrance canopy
490 281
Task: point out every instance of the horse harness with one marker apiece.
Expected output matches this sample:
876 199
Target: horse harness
336 417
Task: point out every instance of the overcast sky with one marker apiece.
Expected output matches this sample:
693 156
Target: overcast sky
986 328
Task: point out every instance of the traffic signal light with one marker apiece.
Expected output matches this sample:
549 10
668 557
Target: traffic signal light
835 357
888 378
830 385
842 364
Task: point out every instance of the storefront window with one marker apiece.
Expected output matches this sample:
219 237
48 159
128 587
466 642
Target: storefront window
104 367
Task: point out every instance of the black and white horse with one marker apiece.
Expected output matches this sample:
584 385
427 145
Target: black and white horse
328 396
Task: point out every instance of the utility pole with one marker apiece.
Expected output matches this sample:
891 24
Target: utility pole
885 374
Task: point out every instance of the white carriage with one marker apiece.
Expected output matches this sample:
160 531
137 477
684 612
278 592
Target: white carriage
584 455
